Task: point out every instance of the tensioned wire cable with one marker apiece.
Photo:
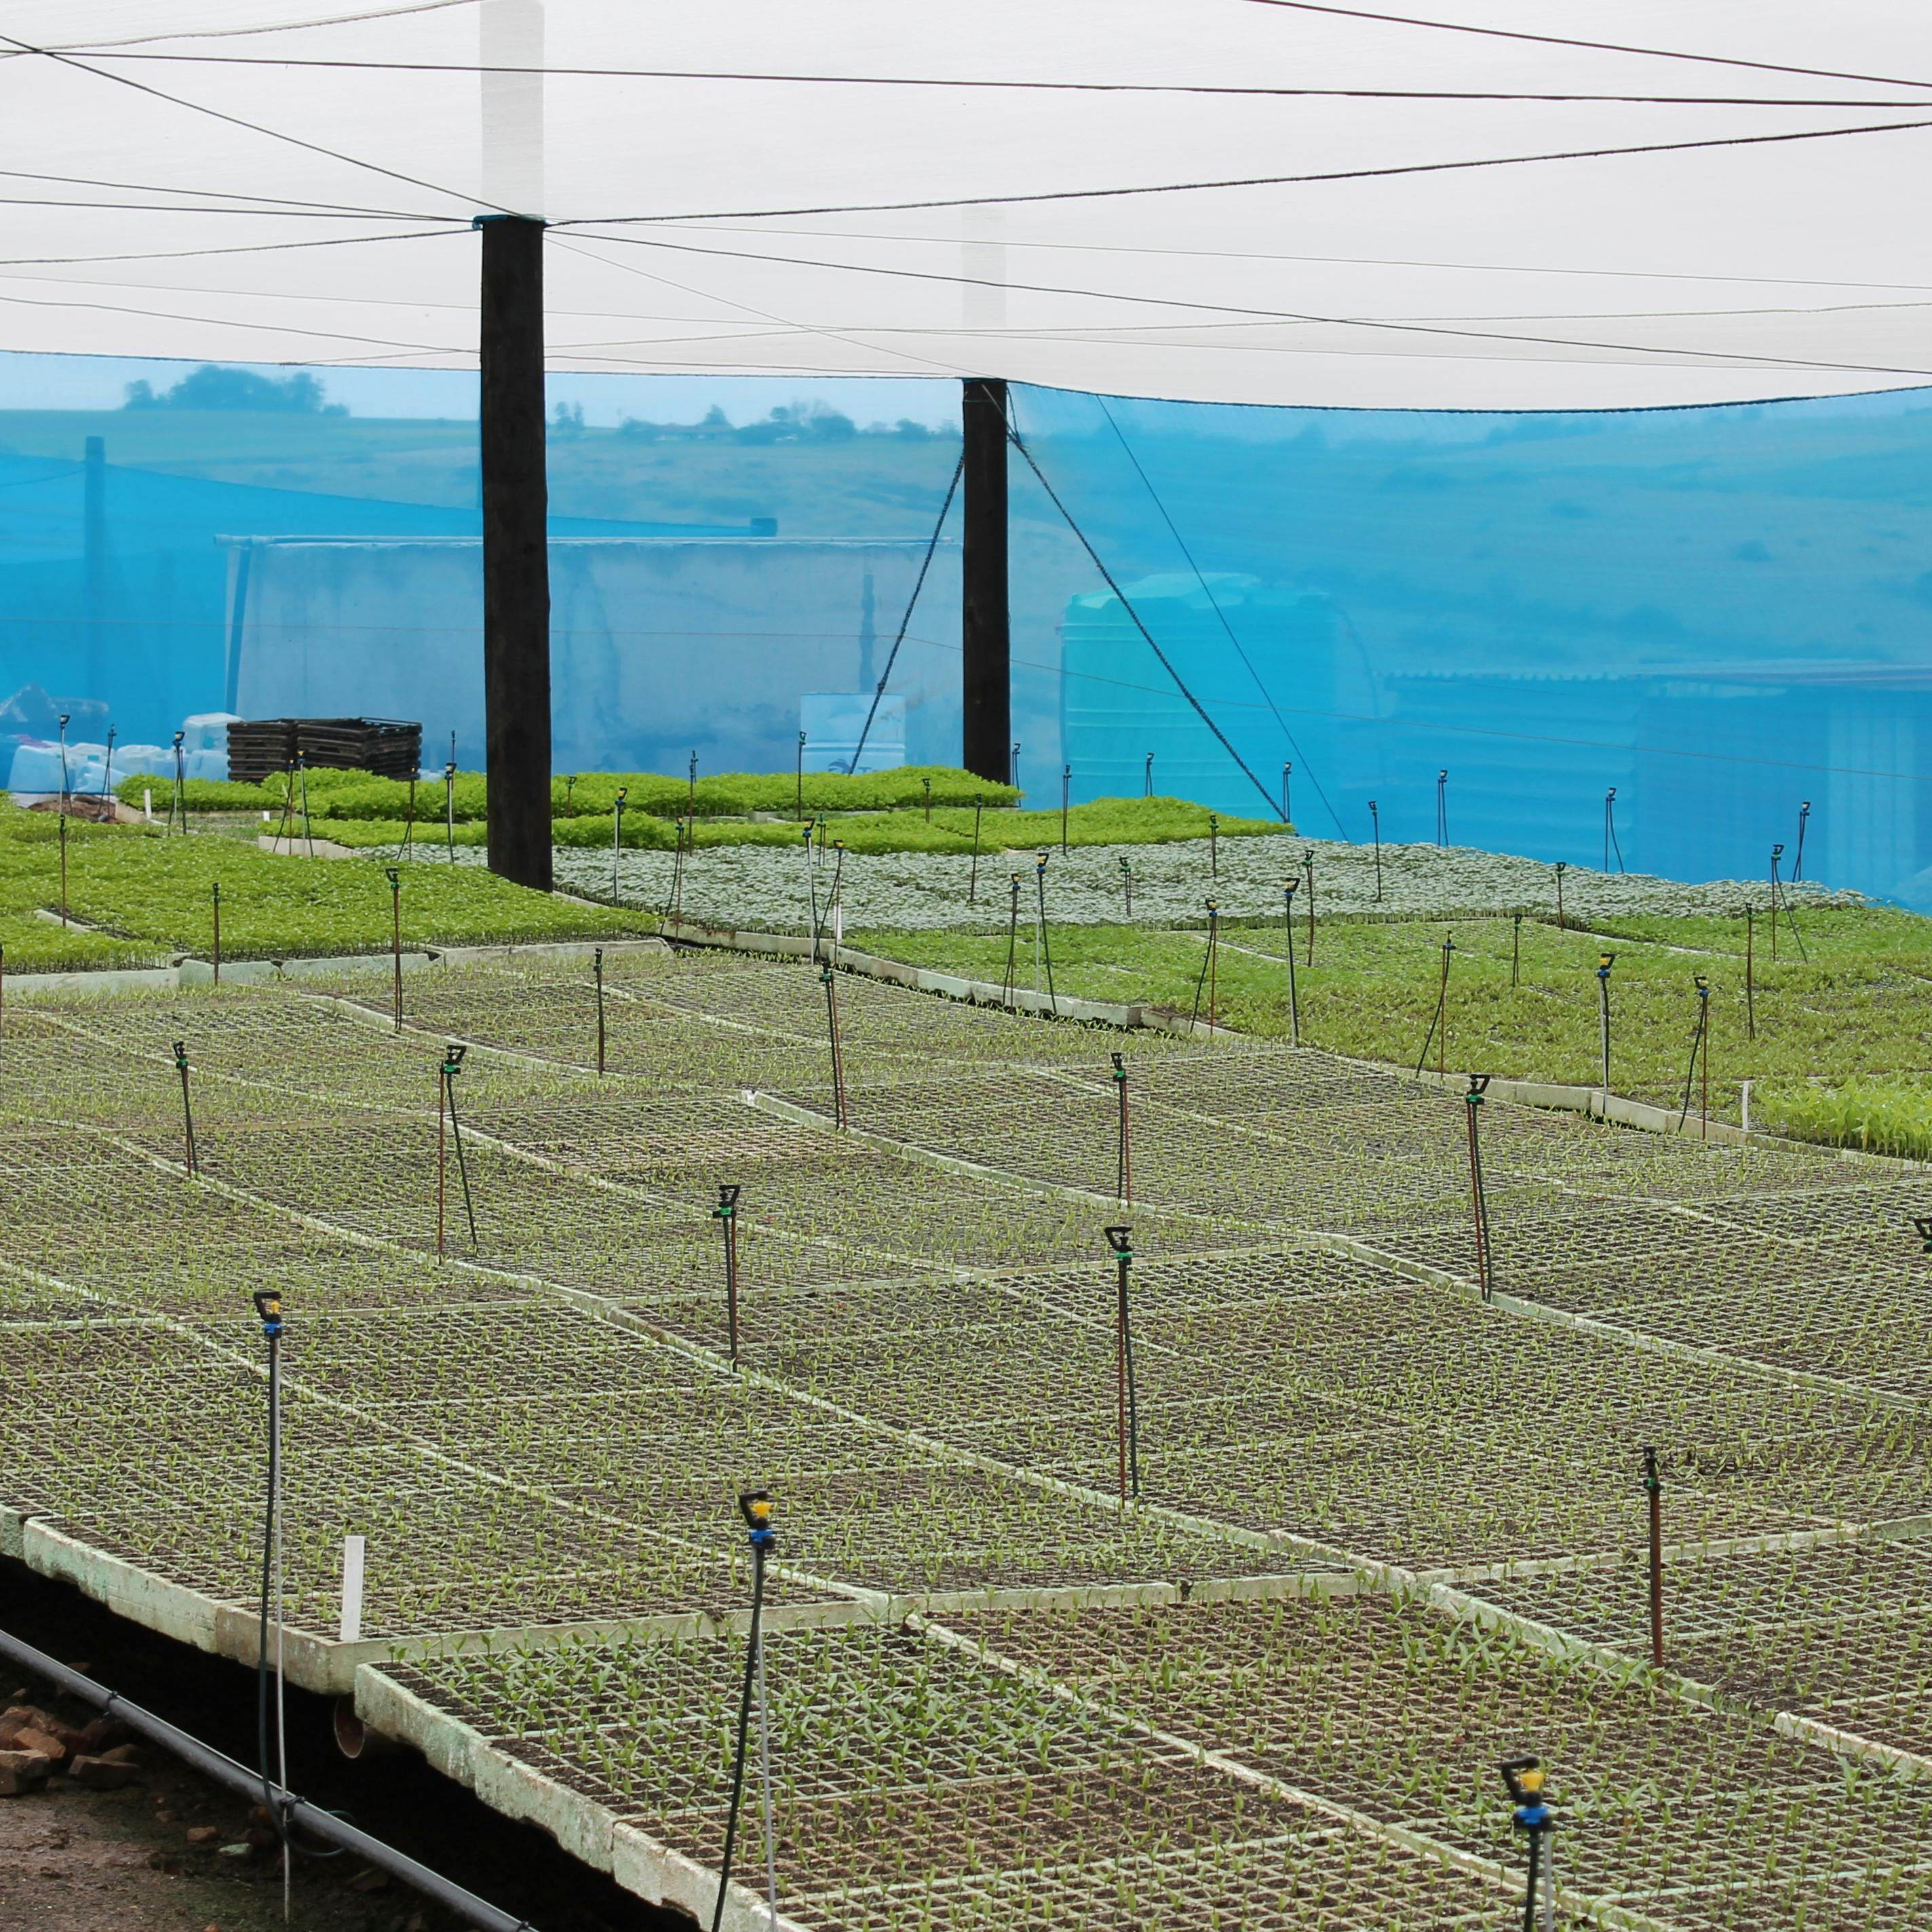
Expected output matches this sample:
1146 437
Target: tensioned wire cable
974 83
1251 180
1166 663
1214 604
1730 359
1593 46
919 583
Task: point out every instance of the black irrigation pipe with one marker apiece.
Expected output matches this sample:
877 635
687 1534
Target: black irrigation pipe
452 1065
597 971
308 827
801 778
63 861
269 1306
449 805
726 1214
830 979
1127 883
1066 795
188 1109
1127 1403
1441 809
1790 911
1124 1168
1604 962
1525 1777
216 884
1516 953
690 800
1653 1486
1439 1023
300 1814
1013 940
1207 977
1700 1046
409 818
395 876
1478 1086
1287 772
178 803
1610 843
1288 926
1046 943
1214 845
812 891
973 882
1375 831
1561 867
755 1506
1308 868
1797 864
1147 780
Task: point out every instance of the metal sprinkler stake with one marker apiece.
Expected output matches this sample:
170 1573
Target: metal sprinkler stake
1441 808
1127 1406
1375 829
1287 772
1699 1044
1013 768
216 948
1288 926
1479 1084
1516 951
393 874
928 784
187 1110
597 970
616 836
755 1507
1797 863
973 882
1207 976
1653 1485
1066 798
449 807
726 1214
1147 784
801 774
1127 883
1561 867
1214 845
1525 1778
1013 940
1124 1175
1751 975
1776 853
1308 869
178 802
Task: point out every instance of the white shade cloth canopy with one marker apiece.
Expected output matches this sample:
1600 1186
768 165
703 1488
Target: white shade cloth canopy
1474 204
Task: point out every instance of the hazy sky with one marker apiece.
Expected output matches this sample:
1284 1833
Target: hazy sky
29 381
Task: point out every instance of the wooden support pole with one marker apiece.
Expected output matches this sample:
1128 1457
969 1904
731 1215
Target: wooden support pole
985 639
516 556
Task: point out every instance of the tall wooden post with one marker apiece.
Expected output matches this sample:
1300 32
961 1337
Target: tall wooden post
516 556
986 690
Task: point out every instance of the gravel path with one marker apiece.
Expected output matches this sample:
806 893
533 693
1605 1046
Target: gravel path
763 888
757 887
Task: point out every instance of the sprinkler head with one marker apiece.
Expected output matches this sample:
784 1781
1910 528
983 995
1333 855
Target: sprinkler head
1702 985
1016 885
1604 962
1610 794
1479 1085
728 1201
452 1057
1525 1778
755 1507
597 959
389 872
1289 891
179 735
1923 1222
1039 862
449 772
269 1306
1118 1239
63 720
1213 909
1777 852
1121 861
1562 866
1652 1481
1119 1065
